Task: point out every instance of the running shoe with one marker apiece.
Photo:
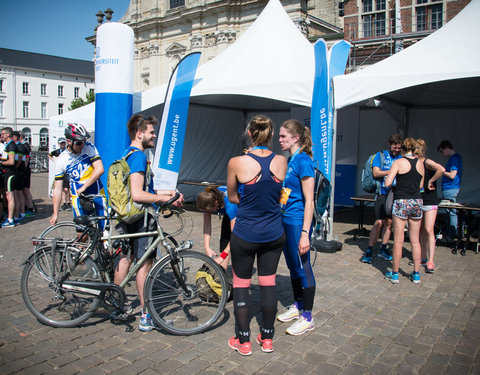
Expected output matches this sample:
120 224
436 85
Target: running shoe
393 277
430 267
266 344
384 254
29 213
415 277
145 323
367 257
301 326
289 315
423 262
8 224
243 349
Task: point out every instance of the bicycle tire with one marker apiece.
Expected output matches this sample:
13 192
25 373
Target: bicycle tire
171 308
46 300
66 230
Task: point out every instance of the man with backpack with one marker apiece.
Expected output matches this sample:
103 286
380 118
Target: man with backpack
142 134
381 164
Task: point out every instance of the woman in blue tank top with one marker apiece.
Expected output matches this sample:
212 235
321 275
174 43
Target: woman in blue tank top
297 211
258 232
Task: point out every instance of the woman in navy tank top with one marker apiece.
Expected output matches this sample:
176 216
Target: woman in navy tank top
407 205
258 232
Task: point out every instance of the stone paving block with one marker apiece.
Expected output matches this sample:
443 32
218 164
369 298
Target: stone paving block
354 369
65 370
406 369
87 362
432 368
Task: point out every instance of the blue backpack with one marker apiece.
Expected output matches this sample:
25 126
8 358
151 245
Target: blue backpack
369 183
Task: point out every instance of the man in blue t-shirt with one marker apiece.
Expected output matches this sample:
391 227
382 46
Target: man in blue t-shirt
384 200
142 134
451 180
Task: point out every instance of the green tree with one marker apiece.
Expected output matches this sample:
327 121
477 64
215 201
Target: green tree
79 102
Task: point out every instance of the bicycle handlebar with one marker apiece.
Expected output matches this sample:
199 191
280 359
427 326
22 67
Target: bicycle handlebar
170 201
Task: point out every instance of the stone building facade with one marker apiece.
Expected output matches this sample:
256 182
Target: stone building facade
167 30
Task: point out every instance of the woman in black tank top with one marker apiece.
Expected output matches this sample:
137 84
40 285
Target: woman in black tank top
433 171
407 205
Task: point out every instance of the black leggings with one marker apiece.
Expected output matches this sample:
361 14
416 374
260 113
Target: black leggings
243 256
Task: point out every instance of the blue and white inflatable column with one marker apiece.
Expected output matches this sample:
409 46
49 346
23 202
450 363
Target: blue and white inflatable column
113 91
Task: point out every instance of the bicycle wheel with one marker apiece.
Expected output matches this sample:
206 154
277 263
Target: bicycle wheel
189 310
44 296
68 231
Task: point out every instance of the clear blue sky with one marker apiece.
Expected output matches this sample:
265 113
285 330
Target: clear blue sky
54 27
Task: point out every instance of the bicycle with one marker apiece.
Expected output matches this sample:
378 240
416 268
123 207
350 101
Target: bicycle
64 281
39 163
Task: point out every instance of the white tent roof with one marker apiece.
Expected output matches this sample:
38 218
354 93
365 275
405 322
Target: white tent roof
272 59
444 64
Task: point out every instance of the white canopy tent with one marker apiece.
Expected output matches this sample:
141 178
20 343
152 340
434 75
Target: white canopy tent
430 90
268 70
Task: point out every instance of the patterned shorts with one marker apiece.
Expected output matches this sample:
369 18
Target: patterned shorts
408 208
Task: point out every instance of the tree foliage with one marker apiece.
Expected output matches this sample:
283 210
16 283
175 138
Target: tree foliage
79 102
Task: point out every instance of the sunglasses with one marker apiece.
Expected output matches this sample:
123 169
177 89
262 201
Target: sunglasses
78 143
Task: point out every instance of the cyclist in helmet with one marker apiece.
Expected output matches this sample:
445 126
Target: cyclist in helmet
81 164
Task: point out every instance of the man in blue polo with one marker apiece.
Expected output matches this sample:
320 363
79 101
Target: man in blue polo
451 181
381 164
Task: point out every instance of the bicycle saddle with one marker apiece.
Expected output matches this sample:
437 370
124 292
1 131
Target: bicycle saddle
85 219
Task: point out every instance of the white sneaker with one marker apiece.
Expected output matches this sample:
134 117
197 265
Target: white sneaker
289 315
301 326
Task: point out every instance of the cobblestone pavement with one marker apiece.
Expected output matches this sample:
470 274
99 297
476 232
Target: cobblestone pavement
364 324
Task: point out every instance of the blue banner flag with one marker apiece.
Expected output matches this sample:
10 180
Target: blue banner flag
168 153
327 65
319 111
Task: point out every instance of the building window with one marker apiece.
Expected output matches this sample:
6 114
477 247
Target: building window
60 108
1 84
373 18
44 138
26 107
44 110
60 91
1 109
25 87
28 135
429 15
43 89
176 3
92 91
76 92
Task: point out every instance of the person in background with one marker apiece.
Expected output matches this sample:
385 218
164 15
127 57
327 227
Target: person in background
20 179
433 171
383 201
258 232
9 174
29 210
297 208
53 155
215 201
407 206
451 181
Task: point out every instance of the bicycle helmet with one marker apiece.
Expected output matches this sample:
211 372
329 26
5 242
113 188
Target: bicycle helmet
76 132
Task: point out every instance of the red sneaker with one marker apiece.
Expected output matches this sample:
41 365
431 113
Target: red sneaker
243 349
267 345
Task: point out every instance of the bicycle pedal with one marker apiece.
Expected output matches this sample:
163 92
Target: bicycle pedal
119 317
